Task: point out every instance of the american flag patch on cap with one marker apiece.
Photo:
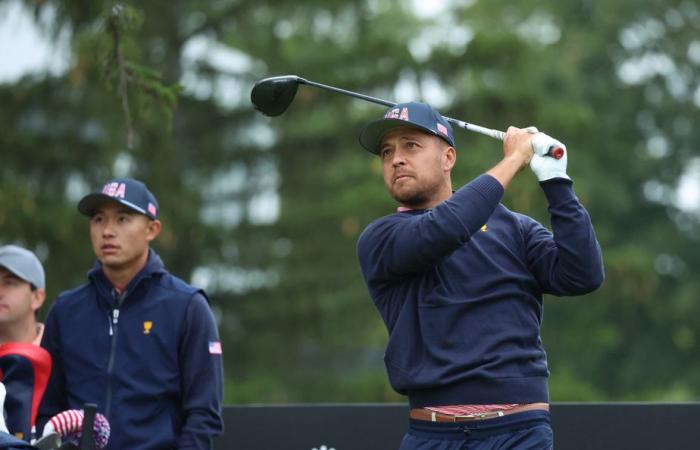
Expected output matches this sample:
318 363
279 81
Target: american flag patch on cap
442 129
215 348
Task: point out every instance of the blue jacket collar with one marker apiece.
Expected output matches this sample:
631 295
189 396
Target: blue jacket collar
153 266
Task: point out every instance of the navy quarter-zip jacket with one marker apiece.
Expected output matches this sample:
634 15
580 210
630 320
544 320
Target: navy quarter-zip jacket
460 286
150 359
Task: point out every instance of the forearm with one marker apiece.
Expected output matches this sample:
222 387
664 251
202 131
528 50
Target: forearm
575 264
54 400
199 437
202 378
517 152
507 169
573 230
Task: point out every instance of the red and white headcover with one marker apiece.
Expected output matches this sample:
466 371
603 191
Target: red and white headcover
69 425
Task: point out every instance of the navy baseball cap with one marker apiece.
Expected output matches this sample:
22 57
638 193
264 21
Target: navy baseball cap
412 114
127 191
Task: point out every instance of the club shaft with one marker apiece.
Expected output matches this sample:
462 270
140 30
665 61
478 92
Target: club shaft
87 439
496 134
350 93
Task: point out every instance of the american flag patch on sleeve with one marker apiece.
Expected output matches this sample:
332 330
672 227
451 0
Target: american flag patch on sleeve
215 348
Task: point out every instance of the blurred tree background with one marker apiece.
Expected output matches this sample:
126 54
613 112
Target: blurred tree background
265 213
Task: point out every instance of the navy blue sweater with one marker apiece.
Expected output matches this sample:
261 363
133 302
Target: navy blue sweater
151 370
463 302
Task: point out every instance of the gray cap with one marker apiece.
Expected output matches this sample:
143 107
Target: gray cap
22 263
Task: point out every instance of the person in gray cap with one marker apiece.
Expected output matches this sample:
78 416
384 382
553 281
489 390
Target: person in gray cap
24 366
137 341
22 292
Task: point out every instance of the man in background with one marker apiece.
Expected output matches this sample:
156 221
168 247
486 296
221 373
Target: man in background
24 366
135 340
22 292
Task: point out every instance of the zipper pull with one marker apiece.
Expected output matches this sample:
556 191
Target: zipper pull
114 321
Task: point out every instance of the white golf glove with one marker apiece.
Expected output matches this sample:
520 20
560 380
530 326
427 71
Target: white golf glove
546 167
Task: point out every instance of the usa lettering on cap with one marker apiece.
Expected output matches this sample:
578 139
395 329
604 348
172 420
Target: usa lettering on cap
115 190
397 113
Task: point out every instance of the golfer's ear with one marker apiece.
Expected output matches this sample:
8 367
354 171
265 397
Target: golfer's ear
449 157
38 300
153 230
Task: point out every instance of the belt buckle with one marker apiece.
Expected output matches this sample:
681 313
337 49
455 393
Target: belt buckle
480 416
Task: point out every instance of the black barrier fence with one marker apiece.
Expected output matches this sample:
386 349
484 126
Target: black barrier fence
577 426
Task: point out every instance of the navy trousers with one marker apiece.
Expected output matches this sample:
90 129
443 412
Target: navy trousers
530 430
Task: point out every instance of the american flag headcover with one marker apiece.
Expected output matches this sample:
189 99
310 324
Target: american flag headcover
69 425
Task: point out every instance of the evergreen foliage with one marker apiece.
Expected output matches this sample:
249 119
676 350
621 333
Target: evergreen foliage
265 213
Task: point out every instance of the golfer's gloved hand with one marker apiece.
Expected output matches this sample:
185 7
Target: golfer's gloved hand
547 167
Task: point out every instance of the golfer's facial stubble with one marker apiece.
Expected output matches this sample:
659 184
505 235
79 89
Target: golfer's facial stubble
416 167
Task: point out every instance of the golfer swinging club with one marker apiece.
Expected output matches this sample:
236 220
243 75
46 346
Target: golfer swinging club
458 280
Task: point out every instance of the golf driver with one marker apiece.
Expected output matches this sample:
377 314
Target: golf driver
272 96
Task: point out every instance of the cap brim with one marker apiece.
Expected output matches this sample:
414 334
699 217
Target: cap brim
372 134
88 205
16 272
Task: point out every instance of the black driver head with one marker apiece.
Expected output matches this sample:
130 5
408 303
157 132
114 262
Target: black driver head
272 96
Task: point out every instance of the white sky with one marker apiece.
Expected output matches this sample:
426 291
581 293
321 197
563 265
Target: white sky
432 8
23 47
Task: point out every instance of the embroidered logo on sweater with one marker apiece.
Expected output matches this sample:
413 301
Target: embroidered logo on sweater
484 228
147 325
